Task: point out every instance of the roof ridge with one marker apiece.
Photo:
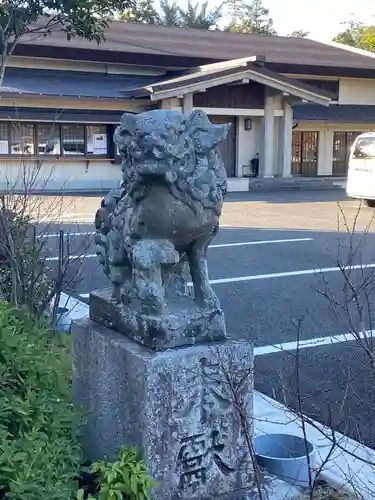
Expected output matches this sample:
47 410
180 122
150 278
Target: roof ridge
349 48
199 30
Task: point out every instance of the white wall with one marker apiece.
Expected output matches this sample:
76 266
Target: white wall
351 90
248 142
245 145
59 174
357 91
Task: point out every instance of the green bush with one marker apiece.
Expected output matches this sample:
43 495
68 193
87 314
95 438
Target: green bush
39 458
23 269
126 478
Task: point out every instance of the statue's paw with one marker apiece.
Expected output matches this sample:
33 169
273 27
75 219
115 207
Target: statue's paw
116 296
128 294
152 302
152 305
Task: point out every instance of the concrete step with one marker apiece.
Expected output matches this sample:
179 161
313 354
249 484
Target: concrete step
294 183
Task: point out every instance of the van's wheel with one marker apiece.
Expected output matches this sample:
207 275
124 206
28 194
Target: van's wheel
370 203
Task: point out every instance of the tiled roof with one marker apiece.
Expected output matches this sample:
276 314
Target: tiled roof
210 45
343 113
210 75
70 83
64 115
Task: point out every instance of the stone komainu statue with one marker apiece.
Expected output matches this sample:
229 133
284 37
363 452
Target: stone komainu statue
167 210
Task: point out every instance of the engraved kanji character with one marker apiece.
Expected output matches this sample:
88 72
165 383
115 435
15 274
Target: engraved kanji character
213 400
191 458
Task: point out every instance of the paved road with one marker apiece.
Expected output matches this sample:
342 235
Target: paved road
263 263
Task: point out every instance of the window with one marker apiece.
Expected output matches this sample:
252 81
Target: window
342 145
4 138
73 139
364 149
96 137
22 139
55 139
48 139
331 86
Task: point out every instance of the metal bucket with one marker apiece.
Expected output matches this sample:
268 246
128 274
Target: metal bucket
288 457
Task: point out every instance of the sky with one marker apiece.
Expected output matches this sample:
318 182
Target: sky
321 18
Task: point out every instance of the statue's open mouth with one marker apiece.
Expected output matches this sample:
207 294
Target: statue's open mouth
155 168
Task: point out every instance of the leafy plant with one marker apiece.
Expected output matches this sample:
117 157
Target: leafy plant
169 13
23 271
327 493
126 478
85 19
39 457
250 17
27 277
357 34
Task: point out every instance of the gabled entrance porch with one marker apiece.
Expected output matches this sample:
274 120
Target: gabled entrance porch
257 101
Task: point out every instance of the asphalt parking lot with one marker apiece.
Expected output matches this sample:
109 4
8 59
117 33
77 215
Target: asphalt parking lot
275 266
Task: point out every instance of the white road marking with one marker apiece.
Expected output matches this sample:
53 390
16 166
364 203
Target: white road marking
306 344
221 245
303 272
73 257
256 277
68 217
265 242
66 234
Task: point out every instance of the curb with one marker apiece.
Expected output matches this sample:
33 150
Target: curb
342 470
271 185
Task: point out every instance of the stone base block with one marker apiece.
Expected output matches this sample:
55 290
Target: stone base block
270 488
183 322
176 406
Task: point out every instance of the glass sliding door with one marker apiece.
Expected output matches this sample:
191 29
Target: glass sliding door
305 154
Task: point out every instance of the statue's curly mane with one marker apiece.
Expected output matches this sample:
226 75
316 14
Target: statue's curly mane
145 238
180 150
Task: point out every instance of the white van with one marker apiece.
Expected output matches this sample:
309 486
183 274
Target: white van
361 171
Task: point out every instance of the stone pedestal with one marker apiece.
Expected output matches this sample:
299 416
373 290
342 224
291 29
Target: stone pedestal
176 406
183 323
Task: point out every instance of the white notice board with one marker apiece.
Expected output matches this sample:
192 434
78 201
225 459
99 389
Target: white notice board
99 144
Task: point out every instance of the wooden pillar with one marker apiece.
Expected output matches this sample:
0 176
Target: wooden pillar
187 103
267 157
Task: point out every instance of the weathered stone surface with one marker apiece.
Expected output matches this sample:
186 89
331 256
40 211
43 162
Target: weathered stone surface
270 488
175 405
182 323
164 216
